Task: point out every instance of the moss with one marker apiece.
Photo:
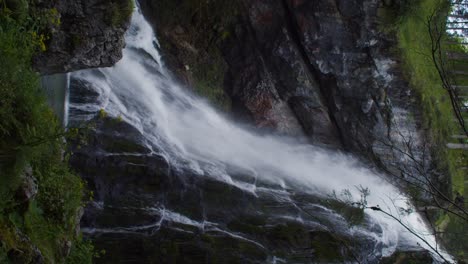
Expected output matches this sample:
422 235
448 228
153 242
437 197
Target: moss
3 255
290 233
82 252
414 43
122 145
414 46
328 247
18 8
102 113
204 26
209 79
353 215
120 12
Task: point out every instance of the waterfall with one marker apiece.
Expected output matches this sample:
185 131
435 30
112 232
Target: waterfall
56 89
193 135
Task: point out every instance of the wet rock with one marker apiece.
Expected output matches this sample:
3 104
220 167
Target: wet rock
267 68
315 122
66 248
179 30
78 215
28 188
329 247
298 67
27 253
323 69
145 210
416 257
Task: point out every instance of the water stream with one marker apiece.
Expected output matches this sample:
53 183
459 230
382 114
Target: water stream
193 135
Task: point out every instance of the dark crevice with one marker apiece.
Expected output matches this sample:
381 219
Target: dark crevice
293 29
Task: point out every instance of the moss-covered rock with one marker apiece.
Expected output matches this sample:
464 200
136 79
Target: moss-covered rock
330 248
83 34
190 33
290 234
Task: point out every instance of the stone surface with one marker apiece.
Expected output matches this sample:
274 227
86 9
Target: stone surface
145 209
323 69
414 257
28 188
315 68
90 33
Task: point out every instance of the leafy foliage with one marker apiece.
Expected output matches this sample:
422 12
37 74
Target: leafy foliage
31 137
82 253
410 27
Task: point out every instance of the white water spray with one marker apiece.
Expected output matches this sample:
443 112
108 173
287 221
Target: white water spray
193 134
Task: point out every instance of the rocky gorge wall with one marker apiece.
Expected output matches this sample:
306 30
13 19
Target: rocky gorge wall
325 70
322 71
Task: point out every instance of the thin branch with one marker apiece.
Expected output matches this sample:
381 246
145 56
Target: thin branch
376 208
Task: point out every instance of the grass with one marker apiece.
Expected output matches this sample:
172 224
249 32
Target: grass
414 46
31 139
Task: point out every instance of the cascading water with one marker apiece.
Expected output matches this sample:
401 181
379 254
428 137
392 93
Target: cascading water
191 135
56 89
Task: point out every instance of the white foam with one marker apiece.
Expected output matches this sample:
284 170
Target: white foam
195 135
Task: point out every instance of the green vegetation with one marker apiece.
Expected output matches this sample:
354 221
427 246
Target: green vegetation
209 78
415 45
102 113
120 11
415 50
31 151
197 28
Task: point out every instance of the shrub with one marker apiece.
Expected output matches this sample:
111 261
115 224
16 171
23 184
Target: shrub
31 136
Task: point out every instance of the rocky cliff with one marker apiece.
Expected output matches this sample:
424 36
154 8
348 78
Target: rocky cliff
82 34
318 70
324 69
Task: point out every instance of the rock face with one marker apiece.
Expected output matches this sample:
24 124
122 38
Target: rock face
416 257
28 188
317 68
146 209
83 34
